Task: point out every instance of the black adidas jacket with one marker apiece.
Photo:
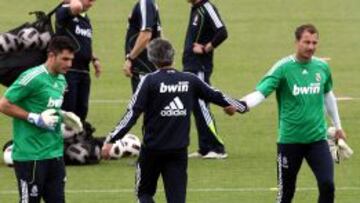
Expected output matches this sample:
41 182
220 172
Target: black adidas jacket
77 28
144 16
166 97
205 25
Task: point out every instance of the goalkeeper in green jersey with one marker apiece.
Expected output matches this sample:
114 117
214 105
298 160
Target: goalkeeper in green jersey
303 87
34 101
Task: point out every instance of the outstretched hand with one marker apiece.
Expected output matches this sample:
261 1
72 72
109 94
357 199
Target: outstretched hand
236 106
105 151
230 110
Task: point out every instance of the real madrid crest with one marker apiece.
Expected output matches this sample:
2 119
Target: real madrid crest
318 77
285 162
196 19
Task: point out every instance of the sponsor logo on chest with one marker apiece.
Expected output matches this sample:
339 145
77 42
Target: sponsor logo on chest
313 88
83 32
55 103
181 86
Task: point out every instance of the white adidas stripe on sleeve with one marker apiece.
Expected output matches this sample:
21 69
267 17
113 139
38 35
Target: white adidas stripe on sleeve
122 124
214 16
143 13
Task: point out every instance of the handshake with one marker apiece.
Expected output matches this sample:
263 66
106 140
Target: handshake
49 118
236 106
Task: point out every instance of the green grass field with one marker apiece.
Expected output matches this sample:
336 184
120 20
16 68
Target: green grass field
260 32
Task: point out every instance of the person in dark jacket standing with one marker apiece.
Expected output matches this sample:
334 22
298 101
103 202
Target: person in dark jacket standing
143 26
205 32
166 98
73 22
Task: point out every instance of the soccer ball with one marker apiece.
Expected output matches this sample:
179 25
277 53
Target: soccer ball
7 155
29 37
132 144
8 43
96 153
117 150
129 145
78 153
44 39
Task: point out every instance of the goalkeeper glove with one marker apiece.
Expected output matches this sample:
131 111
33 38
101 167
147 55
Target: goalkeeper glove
72 121
339 150
47 119
344 151
334 150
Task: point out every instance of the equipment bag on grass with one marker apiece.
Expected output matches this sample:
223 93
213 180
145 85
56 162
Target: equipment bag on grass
25 46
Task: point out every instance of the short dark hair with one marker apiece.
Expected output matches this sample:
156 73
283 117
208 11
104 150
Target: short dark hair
305 28
160 52
59 43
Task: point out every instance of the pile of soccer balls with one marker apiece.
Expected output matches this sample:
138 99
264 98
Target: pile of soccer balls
128 146
81 147
26 39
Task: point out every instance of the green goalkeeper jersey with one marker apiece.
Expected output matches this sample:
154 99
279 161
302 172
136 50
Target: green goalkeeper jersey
36 90
300 88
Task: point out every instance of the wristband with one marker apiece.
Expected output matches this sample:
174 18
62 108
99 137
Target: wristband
129 58
33 118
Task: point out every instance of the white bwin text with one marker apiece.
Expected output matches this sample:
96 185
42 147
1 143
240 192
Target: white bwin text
55 103
314 88
83 32
182 86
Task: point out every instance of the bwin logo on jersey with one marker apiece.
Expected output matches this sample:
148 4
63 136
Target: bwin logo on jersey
83 32
55 103
314 88
175 108
182 86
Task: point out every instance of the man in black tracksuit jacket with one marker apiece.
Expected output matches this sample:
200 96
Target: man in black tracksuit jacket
73 22
166 98
143 26
205 32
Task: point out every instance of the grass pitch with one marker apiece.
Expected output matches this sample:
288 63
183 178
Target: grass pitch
260 32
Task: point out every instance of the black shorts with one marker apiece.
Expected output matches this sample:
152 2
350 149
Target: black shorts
317 155
41 179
